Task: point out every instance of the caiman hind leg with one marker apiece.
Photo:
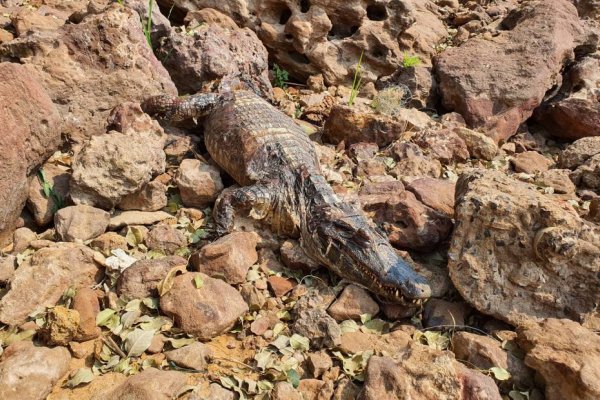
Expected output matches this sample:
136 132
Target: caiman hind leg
256 200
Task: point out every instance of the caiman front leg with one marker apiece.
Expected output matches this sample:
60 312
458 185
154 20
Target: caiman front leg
255 200
177 109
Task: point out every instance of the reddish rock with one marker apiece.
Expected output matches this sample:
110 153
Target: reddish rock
22 238
578 152
201 311
530 162
319 363
315 389
408 223
229 258
352 303
151 197
575 111
501 96
86 304
557 179
435 193
554 350
443 145
140 279
411 161
30 372
41 207
442 313
280 286
194 356
165 238
285 391
30 133
151 384
80 223
199 183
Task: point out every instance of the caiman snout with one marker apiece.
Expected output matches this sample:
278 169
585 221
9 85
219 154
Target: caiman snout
412 285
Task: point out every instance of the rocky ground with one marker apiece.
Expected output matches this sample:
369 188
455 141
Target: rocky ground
474 143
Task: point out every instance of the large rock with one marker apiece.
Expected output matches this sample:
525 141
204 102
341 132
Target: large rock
28 372
203 52
150 384
575 112
419 372
112 166
312 37
42 280
499 97
30 132
566 356
205 310
518 255
408 223
91 66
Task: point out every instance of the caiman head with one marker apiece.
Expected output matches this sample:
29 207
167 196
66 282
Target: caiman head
347 244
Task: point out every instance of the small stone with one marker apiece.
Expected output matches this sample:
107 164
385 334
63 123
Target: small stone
442 313
140 279
30 372
260 325
43 208
253 296
479 145
22 238
61 325
199 183
229 258
218 392
151 197
202 311
85 302
285 391
294 257
194 356
81 350
557 179
346 390
315 83
166 238
126 218
319 363
352 303
280 286
315 389
315 324
80 223
109 241
530 162
157 344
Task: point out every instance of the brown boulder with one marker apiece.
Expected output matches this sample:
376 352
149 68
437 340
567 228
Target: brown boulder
352 303
140 279
28 372
435 193
518 255
201 311
408 223
151 197
578 152
91 66
85 302
530 162
566 355
41 281
575 111
80 223
30 131
199 183
443 145
499 97
165 238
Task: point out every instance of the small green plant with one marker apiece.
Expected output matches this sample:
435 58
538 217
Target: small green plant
49 192
357 82
281 76
410 61
147 26
120 2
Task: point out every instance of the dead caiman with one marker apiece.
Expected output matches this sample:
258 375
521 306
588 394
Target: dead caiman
276 164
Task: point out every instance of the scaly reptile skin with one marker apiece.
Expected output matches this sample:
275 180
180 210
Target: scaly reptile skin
276 165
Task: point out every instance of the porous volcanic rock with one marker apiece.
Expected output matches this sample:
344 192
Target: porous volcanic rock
500 96
30 132
518 255
91 66
322 36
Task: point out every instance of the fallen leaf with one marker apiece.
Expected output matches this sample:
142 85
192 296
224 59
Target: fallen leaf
137 342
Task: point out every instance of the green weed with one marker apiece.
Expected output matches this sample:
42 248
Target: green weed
410 61
49 192
147 26
357 82
281 76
